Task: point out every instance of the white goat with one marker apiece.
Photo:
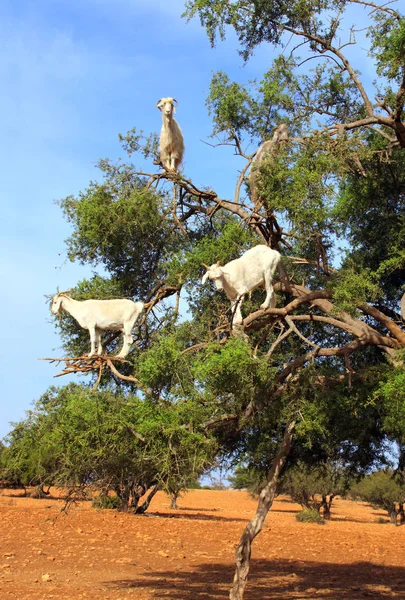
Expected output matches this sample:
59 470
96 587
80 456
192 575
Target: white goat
99 315
280 134
254 268
171 137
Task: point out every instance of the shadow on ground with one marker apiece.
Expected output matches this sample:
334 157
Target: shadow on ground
195 517
276 579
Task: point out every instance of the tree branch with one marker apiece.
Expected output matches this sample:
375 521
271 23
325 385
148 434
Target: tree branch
392 327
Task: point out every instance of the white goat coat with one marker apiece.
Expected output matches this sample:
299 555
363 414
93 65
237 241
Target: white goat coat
171 138
102 315
171 144
253 269
403 307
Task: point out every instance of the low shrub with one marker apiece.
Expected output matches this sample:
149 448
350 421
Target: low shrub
382 521
106 502
310 515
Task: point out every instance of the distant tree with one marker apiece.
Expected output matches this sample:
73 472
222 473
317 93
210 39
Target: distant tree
383 490
314 486
245 478
76 438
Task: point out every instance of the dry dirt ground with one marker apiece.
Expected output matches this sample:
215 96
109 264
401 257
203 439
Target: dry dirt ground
188 554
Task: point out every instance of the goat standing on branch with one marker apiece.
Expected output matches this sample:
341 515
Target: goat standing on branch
101 315
171 137
254 268
268 148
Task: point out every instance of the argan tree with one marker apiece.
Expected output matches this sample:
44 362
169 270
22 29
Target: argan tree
82 440
383 490
331 198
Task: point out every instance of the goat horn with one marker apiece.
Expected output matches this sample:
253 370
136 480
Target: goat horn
218 263
174 100
159 103
205 266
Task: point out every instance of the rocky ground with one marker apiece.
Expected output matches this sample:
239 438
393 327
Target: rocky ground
187 554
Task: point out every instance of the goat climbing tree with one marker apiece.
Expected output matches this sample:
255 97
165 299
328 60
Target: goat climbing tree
317 374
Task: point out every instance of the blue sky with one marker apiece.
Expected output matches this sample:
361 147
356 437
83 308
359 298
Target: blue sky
74 74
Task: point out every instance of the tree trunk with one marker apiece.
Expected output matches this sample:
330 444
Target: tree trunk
39 492
123 493
326 504
144 507
393 514
173 503
401 513
254 527
138 490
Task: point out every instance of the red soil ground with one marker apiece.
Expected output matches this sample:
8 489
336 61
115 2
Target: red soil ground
188 554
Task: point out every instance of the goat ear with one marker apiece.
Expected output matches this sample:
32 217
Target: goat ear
205 277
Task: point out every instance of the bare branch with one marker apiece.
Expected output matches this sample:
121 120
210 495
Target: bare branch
380 7
299 362
241 179
278 341
297 331
323 56
87 364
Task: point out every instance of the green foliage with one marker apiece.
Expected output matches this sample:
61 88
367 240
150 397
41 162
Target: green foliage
194 485
127 234
134 142
159 364
255 21
232 370
245 478
392 392
258 21
353 286
339 423
301 187
75 437
382 490
305 482
104 502
372 210
310 515
254 108
388 45
230 104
